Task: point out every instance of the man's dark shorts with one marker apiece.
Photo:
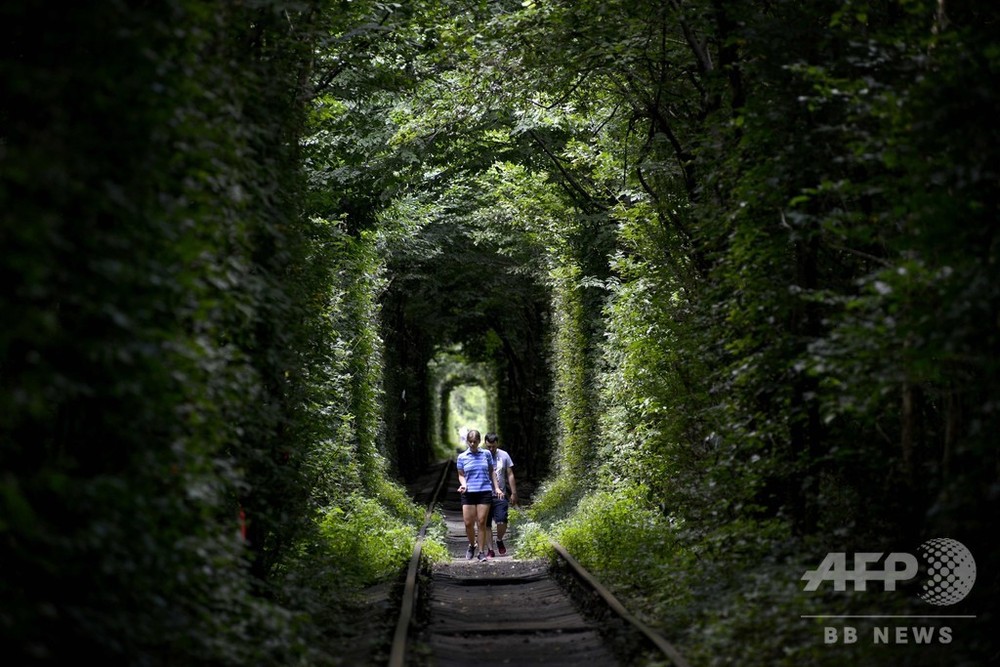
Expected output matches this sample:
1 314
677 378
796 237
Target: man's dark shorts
477 497
498 511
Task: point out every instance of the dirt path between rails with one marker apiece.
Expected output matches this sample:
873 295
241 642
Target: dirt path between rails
502 612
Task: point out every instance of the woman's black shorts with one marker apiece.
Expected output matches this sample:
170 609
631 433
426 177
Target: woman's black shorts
477 498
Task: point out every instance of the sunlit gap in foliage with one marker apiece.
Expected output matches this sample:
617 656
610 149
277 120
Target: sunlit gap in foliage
464 394
466 409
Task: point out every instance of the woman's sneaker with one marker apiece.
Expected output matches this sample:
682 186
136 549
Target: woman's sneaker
490 554
470 552
501 549
482 556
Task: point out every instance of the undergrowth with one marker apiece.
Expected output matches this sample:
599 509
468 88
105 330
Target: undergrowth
731 595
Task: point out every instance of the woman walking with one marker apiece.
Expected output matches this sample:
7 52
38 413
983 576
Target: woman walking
477 485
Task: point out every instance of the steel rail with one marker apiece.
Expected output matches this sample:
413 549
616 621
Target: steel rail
397 655
665 647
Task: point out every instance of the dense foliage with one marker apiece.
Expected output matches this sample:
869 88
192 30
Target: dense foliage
190 367
799 340
727 271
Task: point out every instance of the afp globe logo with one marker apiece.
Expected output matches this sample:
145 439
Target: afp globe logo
951 571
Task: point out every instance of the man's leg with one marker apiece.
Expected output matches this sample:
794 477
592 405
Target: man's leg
500 508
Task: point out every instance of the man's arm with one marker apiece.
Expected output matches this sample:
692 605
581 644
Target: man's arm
510 484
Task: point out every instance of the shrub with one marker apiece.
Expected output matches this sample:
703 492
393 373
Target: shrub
364 541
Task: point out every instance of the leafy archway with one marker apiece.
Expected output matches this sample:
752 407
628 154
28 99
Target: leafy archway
458 311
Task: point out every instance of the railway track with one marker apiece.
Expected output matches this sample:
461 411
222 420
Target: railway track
509 611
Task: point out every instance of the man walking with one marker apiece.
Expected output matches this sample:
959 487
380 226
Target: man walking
504 470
